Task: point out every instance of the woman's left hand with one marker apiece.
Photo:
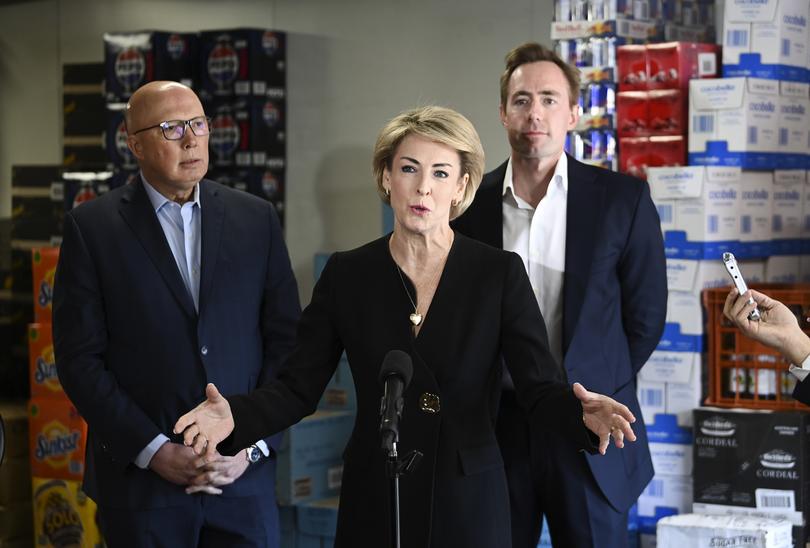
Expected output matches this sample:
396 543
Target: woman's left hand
605 417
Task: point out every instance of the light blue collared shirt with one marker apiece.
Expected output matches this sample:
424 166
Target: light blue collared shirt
181 226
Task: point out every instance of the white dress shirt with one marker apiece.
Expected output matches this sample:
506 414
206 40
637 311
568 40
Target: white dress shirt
538 236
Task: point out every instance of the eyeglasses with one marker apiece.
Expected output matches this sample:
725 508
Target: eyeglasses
174 130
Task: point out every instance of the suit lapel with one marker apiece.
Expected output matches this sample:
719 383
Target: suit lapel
213 214
585 201
491 213
138 213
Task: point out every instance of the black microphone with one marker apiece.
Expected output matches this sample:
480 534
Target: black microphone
395 376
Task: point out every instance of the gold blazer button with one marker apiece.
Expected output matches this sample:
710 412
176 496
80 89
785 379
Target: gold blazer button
429 403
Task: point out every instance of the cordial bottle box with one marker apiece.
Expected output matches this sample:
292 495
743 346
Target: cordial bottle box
756 214
651 398
701 531
243 62
794 122
783 269
663 496
788 190
699 209
695 276
58 436
734 122
677 357
670 446
133 59
752 462
766 39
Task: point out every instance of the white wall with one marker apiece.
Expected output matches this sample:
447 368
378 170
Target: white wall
351 66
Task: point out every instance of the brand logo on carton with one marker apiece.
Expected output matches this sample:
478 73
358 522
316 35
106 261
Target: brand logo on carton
777 459
55 444
270 43
793 109
762 106
45 369
175 46
270 185
797 20
750 2
129 68
725 194
61 523
224 135
270 114
718 426
755 195
787 195
223 64
45 293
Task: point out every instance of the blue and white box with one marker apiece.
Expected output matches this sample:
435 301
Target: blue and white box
699 209
734 122
664 496
783 269
788 203
310 460
794 123
756 215
677 356
695 276
317 521
670 446
766 39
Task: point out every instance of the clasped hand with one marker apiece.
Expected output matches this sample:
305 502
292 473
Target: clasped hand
205 426
605 417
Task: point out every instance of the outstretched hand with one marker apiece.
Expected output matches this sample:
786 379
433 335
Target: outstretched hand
605 417
205 426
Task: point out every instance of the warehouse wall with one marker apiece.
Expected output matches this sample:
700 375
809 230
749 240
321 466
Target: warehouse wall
351 66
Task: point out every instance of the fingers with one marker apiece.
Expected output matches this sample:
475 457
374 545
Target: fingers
731 298
212 394
580 392
208 489
604 441
184 422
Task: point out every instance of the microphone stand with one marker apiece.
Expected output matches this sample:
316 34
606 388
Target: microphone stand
396 468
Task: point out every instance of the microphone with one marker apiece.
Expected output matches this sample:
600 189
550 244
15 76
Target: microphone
395 376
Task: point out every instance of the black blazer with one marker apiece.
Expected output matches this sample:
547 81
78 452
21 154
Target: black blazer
483 308
133 354
802 392
614 297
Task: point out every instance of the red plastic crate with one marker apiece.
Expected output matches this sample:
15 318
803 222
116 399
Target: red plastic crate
743 372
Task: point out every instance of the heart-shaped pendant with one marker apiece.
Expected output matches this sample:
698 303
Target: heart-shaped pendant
415 318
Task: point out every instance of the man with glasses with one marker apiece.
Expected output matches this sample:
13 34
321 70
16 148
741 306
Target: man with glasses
162 286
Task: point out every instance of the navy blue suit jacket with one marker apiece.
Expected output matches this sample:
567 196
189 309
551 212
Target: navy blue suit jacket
614 298
131 351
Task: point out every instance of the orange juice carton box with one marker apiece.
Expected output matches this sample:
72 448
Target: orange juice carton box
57 437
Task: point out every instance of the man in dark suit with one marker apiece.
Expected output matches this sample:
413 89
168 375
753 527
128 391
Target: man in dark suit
162 286
591 242
777 328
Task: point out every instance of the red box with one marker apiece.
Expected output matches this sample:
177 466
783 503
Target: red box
632 117
633 156
58 437
666 112
42 366
666 151
636 154
43 266
632 68
666 66
672 64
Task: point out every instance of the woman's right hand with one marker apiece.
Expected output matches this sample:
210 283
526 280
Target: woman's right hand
205 426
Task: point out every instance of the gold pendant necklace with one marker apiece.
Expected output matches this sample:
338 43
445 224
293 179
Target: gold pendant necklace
415 317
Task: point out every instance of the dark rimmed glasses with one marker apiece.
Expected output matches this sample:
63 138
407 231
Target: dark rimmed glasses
174 130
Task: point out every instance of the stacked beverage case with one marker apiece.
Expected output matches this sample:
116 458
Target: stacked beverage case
636 59
743 191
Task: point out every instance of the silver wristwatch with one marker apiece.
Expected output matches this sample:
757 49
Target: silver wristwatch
254 454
